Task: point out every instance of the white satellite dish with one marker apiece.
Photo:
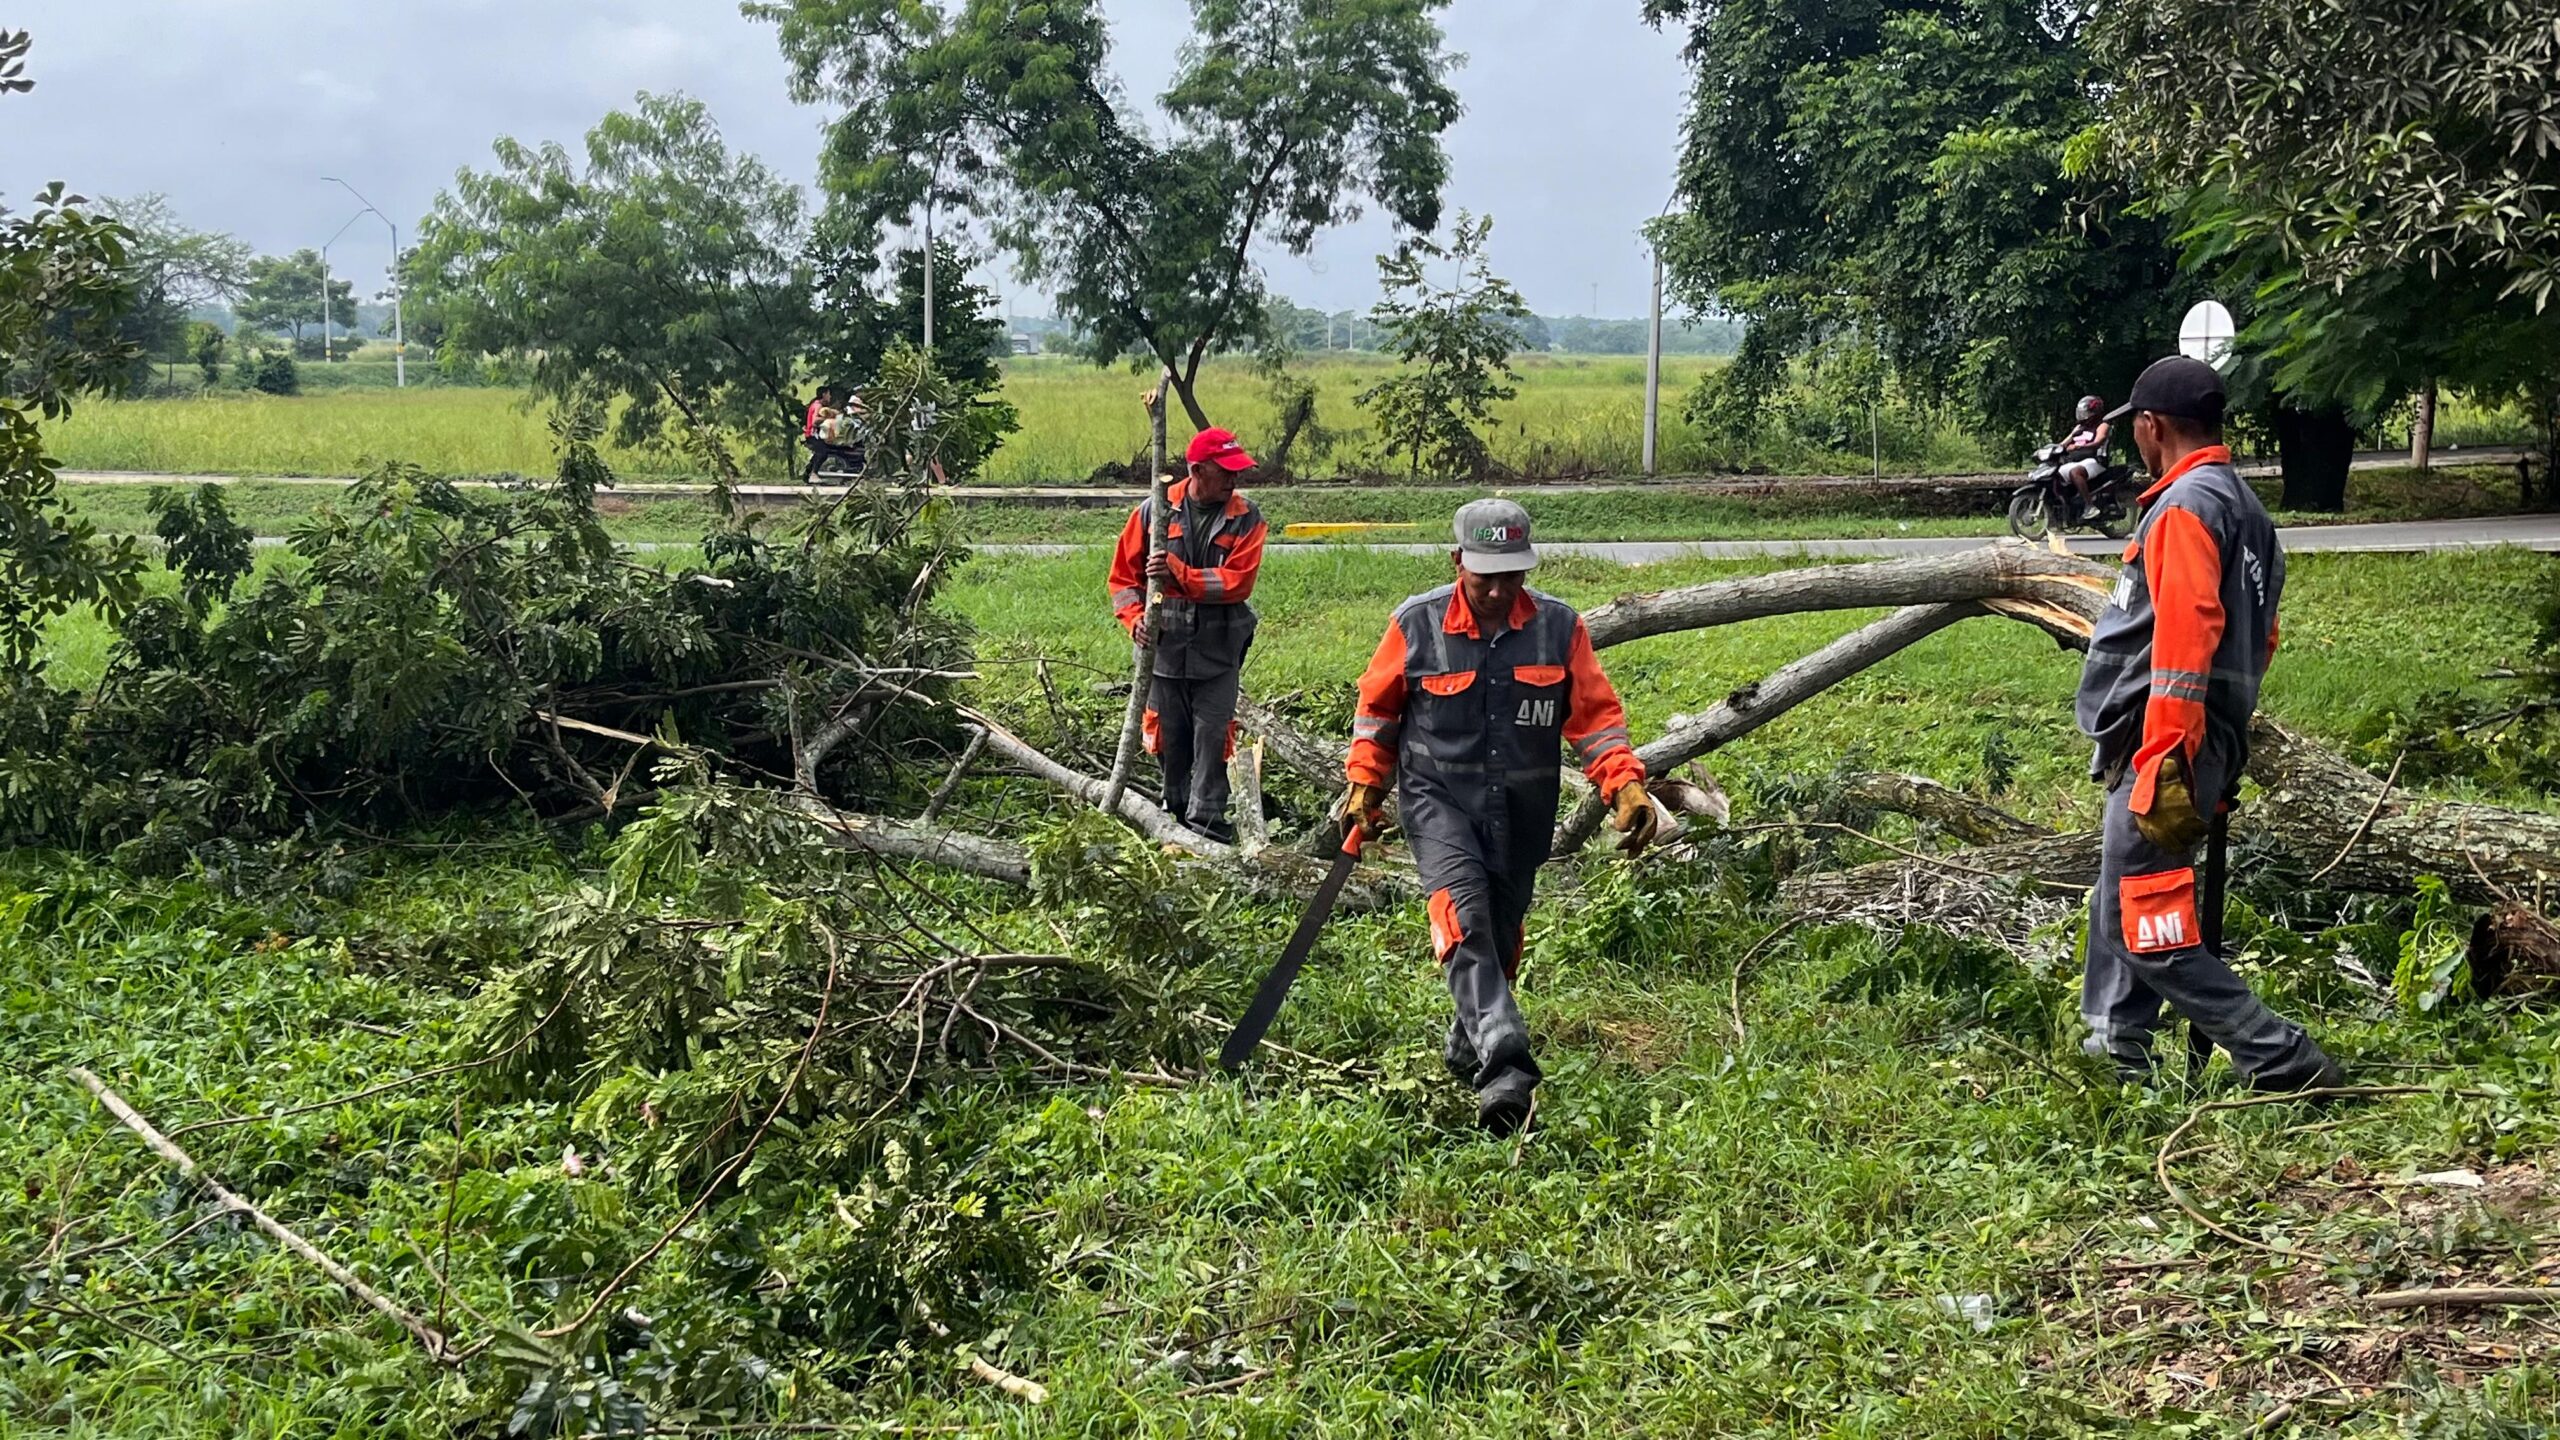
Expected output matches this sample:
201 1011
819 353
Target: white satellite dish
2206 333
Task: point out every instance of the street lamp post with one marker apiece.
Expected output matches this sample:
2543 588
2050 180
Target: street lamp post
328 355
399 333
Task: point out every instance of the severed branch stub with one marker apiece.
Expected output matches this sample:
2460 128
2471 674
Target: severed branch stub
437 1346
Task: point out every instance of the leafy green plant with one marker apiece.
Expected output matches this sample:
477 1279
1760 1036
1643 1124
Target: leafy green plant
1455 344
2434 967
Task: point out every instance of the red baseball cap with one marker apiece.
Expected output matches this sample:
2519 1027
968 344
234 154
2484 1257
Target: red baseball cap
1219 448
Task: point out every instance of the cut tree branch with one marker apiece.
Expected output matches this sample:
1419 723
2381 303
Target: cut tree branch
437 1346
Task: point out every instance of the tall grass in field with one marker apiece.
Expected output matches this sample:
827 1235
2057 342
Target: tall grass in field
1574 415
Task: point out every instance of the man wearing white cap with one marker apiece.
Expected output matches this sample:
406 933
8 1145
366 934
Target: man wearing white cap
1468 704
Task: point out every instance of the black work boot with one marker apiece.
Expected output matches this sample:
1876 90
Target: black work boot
2308 1068
1502 1107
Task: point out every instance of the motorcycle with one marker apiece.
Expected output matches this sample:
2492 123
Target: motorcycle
2049 500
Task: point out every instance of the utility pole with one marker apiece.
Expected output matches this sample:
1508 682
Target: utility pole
1653 373
328 352
399 286
928 277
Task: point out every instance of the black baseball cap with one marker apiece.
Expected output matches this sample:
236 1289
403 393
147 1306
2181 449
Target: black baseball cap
2176 385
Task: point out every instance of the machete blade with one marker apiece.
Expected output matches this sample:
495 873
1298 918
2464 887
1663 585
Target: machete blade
1275 986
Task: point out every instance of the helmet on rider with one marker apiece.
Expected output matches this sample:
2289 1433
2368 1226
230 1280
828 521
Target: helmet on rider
2088 410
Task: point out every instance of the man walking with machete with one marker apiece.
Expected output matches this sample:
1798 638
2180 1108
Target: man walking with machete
2171 680
1213 554
1467 706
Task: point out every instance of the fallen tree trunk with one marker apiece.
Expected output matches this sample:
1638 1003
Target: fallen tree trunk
2003 570
2323 814
1975 821
1755 705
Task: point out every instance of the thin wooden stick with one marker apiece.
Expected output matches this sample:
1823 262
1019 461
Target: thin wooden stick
1030 1392
2366 827
438 1347
2160 1162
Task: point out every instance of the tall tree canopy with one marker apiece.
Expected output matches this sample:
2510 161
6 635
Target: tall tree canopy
1283 118
176 269
666 271
282 295
2380 177
1893 172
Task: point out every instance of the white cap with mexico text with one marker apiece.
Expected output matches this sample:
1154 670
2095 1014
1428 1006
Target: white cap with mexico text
1493 538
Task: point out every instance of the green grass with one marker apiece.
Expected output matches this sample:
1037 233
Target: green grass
1723 1226
1574 415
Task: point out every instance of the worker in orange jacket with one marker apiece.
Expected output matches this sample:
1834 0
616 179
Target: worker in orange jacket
1202 628
2172 677
1467 705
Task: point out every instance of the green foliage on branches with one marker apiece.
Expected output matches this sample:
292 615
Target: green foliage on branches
665 271
282 296
1893 173
1283 118
424 648
869 343
2381 177
65 285
203 346
1456 345
176 269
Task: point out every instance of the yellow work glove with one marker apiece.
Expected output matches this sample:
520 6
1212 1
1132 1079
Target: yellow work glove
1366 807
2174 822
1633 818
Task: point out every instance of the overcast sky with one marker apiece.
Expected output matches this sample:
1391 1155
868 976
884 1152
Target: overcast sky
235 108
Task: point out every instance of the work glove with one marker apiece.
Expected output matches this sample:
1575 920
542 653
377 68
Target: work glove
2174 822
1365 806
1633 818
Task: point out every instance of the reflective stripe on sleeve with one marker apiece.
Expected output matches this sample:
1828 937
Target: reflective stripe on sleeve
2178 684
1123 599
1599 742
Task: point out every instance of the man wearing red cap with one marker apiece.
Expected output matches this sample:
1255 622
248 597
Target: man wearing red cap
1213 552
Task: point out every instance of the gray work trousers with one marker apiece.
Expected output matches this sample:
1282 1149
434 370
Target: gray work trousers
2146 947
1190 729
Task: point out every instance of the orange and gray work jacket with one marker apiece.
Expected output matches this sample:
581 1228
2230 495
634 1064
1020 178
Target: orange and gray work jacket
1477 726
1204 625
2175 662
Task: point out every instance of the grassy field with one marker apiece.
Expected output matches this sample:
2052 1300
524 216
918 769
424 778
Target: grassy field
1574 413
1864 1190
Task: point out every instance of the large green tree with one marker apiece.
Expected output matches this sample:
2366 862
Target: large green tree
665 270
1893 173
2379 181
1283 118
177 268
282 296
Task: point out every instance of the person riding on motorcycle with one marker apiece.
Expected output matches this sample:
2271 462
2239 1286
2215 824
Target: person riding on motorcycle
2088 433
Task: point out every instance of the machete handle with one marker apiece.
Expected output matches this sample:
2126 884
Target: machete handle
1352 838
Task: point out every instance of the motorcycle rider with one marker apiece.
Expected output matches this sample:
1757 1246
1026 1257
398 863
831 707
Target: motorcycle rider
2089 434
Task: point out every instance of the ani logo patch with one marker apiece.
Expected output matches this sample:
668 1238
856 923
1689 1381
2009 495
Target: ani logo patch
2159 911
1537 712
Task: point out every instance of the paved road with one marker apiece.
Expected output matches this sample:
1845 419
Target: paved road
1121 496
2531 532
